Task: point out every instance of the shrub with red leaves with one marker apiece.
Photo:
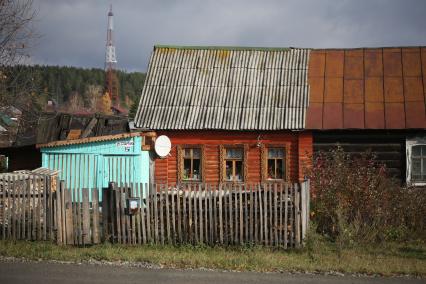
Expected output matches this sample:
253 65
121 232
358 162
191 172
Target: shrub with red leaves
353 196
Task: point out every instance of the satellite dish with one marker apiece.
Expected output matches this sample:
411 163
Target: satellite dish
162 146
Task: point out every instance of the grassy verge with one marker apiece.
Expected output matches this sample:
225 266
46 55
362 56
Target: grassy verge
387 260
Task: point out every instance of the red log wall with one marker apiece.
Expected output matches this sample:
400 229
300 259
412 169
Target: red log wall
299 143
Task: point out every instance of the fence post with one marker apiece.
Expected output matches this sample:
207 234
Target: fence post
86 239
297 193
69 216
105 214
58 216
303 208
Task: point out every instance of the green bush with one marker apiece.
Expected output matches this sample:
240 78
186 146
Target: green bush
354 201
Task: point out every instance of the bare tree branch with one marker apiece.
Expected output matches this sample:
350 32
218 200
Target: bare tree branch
16 30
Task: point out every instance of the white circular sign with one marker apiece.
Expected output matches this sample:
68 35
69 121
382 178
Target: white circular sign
162 146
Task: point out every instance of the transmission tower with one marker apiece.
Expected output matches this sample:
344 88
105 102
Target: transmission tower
111 63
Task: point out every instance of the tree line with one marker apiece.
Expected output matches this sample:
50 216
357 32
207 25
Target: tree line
70 88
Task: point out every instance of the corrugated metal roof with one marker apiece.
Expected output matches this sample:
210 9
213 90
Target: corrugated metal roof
367 88
230 88
87 140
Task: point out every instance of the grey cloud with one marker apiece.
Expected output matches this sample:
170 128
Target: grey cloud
74 32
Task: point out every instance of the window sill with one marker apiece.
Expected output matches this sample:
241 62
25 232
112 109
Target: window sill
191 181
418 183
233 182
275 180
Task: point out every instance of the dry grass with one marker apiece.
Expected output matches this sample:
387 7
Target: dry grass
387 260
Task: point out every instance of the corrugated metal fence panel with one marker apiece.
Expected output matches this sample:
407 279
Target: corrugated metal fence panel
225 88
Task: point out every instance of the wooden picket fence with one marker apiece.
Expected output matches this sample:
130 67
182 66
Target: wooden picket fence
265 214
27 207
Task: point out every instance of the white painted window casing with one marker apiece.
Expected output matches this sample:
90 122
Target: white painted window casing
416 161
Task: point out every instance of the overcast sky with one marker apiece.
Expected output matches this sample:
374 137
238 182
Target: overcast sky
73 33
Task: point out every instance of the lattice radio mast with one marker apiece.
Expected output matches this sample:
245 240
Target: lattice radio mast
111 63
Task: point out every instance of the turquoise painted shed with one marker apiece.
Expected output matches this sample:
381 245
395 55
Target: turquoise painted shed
94 162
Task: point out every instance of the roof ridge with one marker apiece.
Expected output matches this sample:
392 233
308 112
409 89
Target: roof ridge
259 48
218 47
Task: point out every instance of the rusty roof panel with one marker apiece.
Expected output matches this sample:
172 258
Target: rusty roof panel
394 90
333 90
88 140
415 115
314 120
334 63
390 91
374 115
316 91
353 91
353 115
354 65
423 56
373 63
413 89
392 63
392 49
394 115
374 89
411 62
358 52
316 63
332 116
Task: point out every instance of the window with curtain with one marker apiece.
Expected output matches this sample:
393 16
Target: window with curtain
191 164
234 164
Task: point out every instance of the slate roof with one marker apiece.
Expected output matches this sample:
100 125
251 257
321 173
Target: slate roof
227 88
367 88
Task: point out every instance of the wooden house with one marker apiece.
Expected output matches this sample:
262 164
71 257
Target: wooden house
233 114
371 99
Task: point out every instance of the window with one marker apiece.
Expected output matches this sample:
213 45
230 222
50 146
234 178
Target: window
233 164
418 163
191 164
276 164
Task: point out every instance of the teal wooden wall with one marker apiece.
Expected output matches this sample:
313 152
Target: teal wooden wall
95 164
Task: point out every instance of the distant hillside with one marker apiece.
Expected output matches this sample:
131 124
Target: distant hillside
69 87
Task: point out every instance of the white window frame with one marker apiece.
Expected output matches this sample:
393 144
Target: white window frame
410 142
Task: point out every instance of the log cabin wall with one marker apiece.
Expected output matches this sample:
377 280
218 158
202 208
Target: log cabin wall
388 146
299 153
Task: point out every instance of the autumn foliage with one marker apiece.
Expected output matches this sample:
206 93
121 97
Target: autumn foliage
353 198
